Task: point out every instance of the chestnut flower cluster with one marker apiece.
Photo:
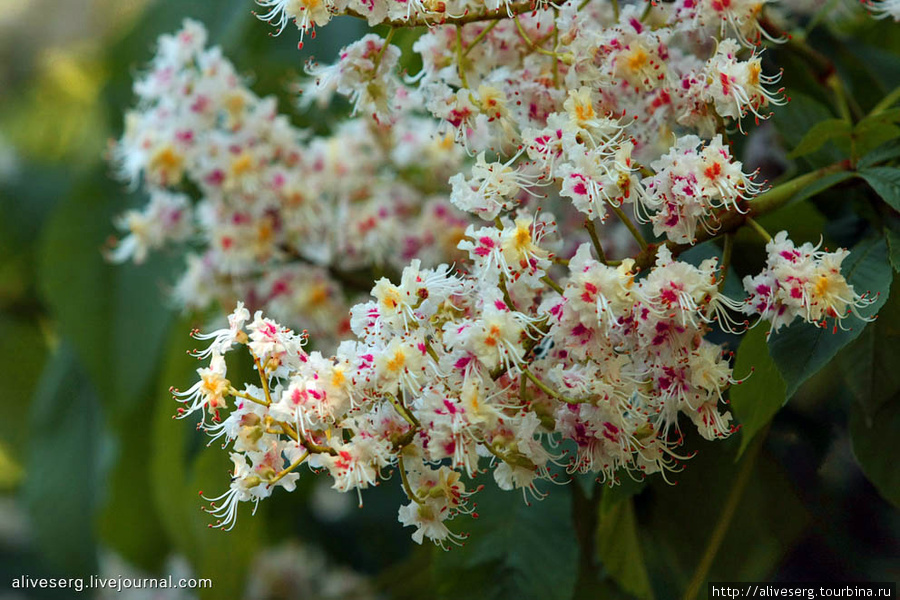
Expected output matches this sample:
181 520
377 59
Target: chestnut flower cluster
802 282
450 371
532 138
283 219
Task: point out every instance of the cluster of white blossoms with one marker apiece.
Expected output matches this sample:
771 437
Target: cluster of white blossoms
451 369
535 354
283 218
801 282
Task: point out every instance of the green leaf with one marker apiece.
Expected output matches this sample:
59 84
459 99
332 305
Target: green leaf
886 183
821 185
802 219
410 579
875 130
63 478
129 522
824 131
676 521
515 551
115 316
802 349
795 121
892 237
876 445
757 398
626 489
869 364
882 153
620 550
22 357
223 556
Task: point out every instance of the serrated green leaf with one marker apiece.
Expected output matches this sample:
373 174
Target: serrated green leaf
762 393
619 548
822 132
515 551
802 349
886 183
876 444
63 478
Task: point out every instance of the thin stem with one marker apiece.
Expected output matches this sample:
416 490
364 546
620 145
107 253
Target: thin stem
550 391
315 448
524 35
481 35
289 431
886 102
245 396
506 297
406 487
782 193
726 258
835 84
264 379
387 42
556 50
759 229
460 68
402 410
289 468
631 227
556 287
513 458
430 350
592 231
615 5
725 518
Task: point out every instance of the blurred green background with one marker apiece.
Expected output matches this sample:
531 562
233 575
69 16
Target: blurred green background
94 472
